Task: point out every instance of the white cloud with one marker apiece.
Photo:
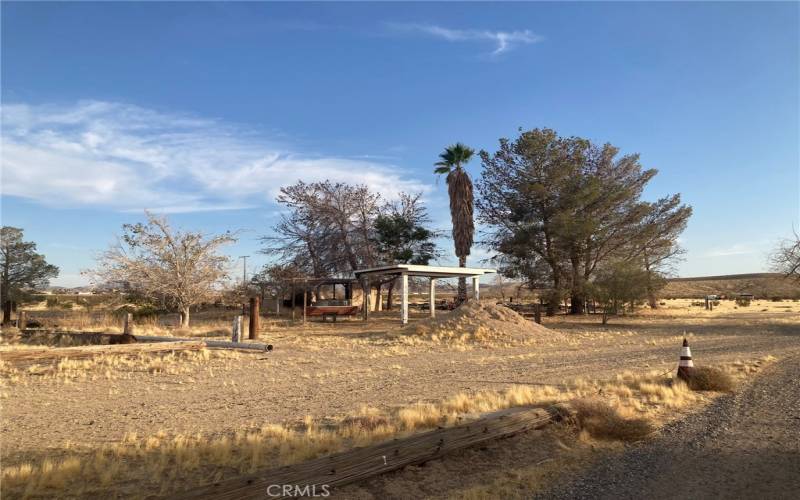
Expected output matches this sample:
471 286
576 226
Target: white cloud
737 249
127 157
504 41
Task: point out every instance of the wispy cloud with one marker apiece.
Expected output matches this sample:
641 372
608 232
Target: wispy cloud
127 157
503 41
738 249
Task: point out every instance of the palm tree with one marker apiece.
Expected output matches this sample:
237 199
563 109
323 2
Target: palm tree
459 187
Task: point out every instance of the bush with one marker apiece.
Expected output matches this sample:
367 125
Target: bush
776 299
65 305
743 302
604 422
52 302
706 378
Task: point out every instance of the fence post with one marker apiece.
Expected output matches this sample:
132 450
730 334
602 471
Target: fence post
21 320
537 313
293 300
237 329
254 318
127 328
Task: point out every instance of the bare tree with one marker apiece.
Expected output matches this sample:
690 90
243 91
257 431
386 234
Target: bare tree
785 258
157 261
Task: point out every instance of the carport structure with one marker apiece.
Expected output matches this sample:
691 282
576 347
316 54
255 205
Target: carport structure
432 272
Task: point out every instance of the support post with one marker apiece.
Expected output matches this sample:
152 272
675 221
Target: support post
254 318
432 297
7 312
236 331
305 300
365 296
127 328
404 297
293 300
537 313
476 288
22 321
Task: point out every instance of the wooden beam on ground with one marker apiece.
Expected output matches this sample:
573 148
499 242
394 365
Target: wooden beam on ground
363 463
25 357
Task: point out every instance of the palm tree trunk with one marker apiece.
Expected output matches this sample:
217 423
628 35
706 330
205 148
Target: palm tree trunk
462 282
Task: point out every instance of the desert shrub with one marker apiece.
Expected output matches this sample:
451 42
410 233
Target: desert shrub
604 422
51 302
743 302
148 312
776 299
66 305
706 378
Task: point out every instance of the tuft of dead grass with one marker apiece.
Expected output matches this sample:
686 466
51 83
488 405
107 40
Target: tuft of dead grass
602 421
708 378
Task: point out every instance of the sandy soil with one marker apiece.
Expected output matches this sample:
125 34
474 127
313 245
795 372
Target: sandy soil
331 370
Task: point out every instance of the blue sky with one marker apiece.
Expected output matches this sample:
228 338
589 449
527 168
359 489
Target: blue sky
204 110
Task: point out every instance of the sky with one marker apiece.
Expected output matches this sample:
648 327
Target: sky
203 111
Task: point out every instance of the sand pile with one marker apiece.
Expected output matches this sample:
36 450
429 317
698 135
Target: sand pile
480 323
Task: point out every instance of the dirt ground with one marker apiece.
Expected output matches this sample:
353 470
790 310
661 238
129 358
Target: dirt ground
331 370
744 445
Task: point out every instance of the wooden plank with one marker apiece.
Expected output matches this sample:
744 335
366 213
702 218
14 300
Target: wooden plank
25 357
362 463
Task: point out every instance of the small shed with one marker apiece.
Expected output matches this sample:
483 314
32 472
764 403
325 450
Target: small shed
432 272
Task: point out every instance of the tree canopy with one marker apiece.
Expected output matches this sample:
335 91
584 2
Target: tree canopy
159 262
785 259
21 267
558 208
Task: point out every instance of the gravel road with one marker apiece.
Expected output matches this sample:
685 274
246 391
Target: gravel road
744 445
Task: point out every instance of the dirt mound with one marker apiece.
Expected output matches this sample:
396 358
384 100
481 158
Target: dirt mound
480 323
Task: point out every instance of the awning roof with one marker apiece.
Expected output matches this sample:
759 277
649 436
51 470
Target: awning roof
428 271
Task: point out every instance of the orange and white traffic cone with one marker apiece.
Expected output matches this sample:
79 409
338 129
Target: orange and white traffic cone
685 365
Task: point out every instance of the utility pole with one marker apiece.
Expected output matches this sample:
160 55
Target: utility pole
244 269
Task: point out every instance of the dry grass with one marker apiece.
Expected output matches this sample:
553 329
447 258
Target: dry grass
113 366
708 378
627 407
602 421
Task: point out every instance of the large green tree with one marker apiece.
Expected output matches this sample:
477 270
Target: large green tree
460 189
20 268
562 206
401 236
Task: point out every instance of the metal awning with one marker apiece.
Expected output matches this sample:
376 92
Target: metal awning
432 272
427 271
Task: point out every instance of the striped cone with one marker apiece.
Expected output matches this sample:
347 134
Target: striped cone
685 365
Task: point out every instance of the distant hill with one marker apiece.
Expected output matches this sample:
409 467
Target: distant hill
761 285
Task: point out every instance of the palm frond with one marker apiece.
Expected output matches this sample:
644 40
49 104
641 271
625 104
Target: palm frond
442 169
